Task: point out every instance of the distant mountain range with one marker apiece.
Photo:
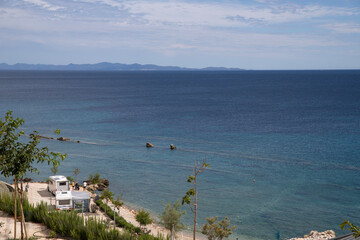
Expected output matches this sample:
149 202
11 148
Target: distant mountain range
105 66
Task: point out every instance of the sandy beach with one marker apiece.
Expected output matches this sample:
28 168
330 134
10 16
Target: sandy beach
38 192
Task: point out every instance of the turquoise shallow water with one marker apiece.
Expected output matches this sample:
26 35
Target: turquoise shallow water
296 132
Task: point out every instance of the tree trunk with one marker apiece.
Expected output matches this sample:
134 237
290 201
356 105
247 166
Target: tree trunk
22 212
195 205
195 210
15 206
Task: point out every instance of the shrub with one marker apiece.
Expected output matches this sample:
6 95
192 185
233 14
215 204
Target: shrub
94 179
120 221
64 223
143 218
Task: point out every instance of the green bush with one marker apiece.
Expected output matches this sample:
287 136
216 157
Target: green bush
64 223
121 222
94 179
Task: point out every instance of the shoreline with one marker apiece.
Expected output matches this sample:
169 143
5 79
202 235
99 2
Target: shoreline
38 192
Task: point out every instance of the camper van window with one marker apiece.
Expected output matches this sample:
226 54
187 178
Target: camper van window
64 202
62 183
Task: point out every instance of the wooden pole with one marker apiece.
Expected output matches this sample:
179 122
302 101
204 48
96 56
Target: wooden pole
15 207
195 204
21 216
22 210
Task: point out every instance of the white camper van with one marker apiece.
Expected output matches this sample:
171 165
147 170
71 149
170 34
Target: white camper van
63 200
58 183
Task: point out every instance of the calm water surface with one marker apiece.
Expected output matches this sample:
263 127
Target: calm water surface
295 132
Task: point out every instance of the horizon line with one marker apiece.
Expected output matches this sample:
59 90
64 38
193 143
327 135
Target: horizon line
208 68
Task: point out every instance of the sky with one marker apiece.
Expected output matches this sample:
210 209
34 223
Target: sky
247 34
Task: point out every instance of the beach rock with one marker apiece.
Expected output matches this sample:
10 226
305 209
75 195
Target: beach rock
315 235
104 181
40 136
27 179
63 139
101 186
5 187
172 147
149 145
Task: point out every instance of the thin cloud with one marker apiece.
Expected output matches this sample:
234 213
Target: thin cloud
196 29
216 14
342 27
43 4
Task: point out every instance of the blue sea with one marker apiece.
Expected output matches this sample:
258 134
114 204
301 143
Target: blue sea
296 133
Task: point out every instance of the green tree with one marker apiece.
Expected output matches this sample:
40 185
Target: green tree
55 169
76 173
217 231
354 229
118 203
18 157
70 178
94 179
107 196
143 218
192 192
171 216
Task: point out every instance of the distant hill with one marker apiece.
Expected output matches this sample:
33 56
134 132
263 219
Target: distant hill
105 66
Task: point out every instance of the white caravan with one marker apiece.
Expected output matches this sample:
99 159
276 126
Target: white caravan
58 183
63 200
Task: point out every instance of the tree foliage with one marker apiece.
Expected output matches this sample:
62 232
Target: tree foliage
117 203
94 179
70 178
171 216
190 197
107 195
143 218
55 169
217 231
76 173
17 157
354 229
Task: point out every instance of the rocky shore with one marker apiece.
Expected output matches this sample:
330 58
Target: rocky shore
101 186
63 139
315 235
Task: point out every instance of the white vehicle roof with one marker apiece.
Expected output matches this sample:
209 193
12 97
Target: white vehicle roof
63 195
80 195
59 178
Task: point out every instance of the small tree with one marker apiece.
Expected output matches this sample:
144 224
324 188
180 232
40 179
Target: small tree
55 169
18 157
217 231
118 203
354 229
143 218
171 216
107 196
76 173
94 179
199 168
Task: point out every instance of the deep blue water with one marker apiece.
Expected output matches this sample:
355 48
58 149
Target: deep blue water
296 132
